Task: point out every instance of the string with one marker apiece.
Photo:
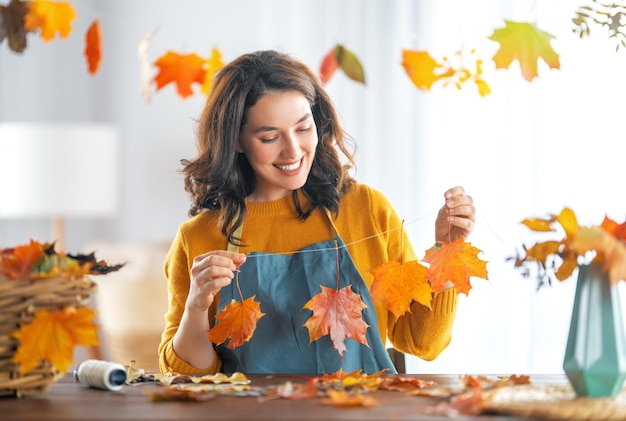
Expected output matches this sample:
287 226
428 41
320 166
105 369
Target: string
401 227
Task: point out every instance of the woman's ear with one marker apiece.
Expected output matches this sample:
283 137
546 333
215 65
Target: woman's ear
238 147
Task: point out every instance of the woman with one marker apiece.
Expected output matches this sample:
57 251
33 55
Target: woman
274 203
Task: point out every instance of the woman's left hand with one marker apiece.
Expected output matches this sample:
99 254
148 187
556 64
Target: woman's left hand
456 217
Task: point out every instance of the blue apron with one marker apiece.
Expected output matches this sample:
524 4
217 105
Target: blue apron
283 285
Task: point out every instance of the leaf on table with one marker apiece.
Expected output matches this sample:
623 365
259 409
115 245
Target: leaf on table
236 321
181 69
50 17
421 68
526 43
12 25
455 262
337 313
399 284
405 383
93 47
167 394
293 391
342 398
52 335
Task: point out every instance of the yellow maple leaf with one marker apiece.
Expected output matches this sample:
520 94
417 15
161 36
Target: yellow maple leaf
398 284
214 63
236 321
52 335
50 17
524 42
421 68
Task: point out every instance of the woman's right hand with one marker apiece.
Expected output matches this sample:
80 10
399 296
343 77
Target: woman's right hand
209 273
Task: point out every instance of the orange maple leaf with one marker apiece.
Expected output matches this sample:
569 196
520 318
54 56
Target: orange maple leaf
93 47
50 17
524 42
399 284
182 69
236 321
455 262
19 262
337 313
52 336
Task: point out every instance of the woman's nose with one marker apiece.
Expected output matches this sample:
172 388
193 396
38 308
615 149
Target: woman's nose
291 146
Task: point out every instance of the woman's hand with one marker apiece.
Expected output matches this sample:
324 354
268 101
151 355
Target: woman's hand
456 217
209 273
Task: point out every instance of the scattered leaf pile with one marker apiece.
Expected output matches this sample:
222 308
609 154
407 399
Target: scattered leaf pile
471 395
556 259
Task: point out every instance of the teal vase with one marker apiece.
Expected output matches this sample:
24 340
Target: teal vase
595 356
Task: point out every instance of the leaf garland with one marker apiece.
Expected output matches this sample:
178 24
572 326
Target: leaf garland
523 42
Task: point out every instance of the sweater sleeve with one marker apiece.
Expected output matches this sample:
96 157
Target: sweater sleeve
423 332
176 268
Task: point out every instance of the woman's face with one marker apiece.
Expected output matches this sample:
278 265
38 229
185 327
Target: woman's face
279 140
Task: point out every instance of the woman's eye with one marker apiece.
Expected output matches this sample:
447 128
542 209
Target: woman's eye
270 140
304 129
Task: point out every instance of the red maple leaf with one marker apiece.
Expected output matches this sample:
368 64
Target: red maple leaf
455 262
182 69
337 313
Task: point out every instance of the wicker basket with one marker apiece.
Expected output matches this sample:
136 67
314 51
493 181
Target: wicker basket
19 300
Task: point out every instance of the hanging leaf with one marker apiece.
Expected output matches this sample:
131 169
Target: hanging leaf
214 63
399 284
336 313
12 25
236 321
455 262
93 47
329 66
421 68
50 17
350 64
524 42
52 336
145 70
182 69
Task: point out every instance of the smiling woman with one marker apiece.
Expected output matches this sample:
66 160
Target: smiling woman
527 148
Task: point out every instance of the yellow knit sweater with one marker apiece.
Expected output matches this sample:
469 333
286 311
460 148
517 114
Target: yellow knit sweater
369 226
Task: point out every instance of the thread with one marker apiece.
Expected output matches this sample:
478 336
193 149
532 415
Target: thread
101 374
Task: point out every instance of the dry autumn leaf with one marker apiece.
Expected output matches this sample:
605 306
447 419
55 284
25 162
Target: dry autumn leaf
524 42
342 398
93 47
336 313
399 284
50 17
214 63
455 262
344 59
329 66
12 25
236 321
19 262
182 69
145 70
52 336
421 68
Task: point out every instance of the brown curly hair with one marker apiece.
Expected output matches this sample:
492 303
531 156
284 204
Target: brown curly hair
221 178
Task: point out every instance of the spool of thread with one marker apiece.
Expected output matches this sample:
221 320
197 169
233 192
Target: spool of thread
101 374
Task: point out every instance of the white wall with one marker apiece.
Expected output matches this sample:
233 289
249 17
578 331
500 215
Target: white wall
526 150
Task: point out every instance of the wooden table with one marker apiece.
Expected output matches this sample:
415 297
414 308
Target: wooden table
69 400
